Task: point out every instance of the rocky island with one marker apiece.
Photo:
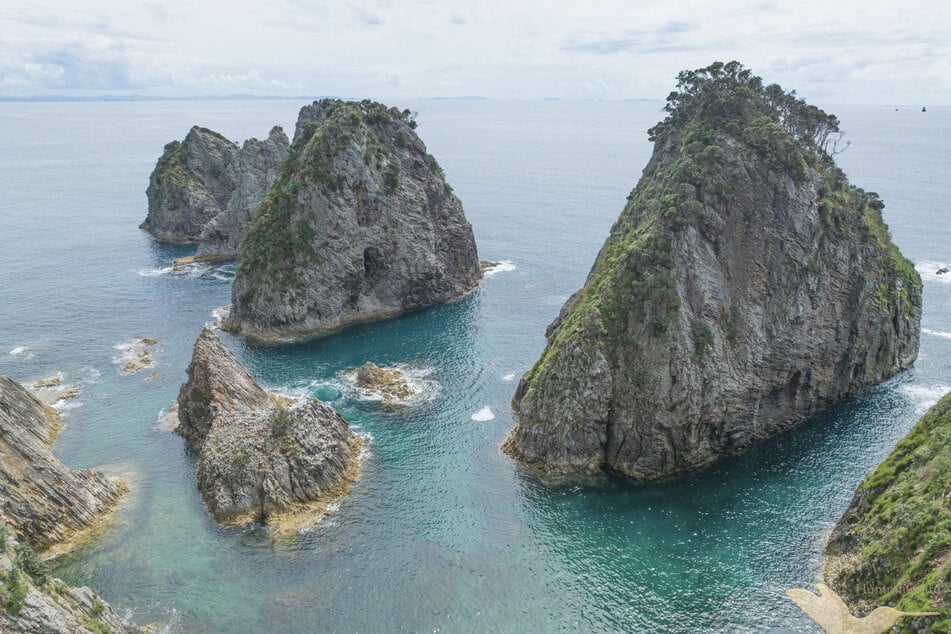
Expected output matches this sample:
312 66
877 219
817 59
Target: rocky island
44 505
360 224
260 458
204 188
745 287
892 546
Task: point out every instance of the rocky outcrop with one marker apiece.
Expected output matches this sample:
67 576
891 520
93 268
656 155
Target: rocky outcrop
204 189
259 457
44 505
30 601
190 185
40 499
257 167
745 287
892 546
360 225
391 385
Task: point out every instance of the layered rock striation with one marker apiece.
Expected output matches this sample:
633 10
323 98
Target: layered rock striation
204 188
31 601
745 287
359 225
258 456
41 500
892 545
44 505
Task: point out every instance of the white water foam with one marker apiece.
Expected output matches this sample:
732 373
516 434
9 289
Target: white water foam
500 267
165 270
936 333
928 269
508 377
19 350
925 396
483 414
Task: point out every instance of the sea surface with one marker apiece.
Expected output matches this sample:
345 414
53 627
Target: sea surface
442 532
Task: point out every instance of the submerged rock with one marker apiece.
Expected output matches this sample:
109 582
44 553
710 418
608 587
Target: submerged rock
258 456
360 225
745 287
391 384
891 547
204 189
40 499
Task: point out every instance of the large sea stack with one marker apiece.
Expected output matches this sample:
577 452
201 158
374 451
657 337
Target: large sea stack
203 189
892 546
359 225
745 287
259 457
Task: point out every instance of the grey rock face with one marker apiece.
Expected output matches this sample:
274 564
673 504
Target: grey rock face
204 188
52 607
722 308
191 184
259 458
258 165
218 385
360 225
40 499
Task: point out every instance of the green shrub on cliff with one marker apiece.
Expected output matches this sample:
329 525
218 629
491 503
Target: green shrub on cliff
893 545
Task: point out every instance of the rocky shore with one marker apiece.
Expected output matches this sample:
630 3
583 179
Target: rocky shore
261 459
45 506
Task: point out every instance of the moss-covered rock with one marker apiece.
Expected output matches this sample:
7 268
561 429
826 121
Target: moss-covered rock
892 546
746 286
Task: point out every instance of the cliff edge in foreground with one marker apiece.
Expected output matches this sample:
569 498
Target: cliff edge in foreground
359 225
892 546
43 504
745 287
258 457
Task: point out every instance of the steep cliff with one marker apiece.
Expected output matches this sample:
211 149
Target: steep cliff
892 546
745 287
41 500
204 188
259 458
256 169
191 184
44 504
359 225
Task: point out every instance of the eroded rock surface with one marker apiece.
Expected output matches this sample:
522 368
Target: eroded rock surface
259 457
41 500
745 287
360 224
204 189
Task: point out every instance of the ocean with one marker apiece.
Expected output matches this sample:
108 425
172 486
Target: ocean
442 532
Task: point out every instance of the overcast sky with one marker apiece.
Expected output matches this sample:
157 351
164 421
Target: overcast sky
830 51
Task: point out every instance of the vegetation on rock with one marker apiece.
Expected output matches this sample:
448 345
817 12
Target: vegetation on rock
893 544
695 272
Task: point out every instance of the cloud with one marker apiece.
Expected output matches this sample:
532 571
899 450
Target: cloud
602 47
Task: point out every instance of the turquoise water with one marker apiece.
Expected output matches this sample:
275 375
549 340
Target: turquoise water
442 532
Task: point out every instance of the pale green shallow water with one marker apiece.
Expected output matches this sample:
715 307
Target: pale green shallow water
442 532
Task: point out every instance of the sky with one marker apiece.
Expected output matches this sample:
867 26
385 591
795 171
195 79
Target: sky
829 51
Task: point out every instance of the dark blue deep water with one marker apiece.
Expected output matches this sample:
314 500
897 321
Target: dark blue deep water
443 532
